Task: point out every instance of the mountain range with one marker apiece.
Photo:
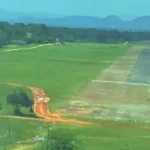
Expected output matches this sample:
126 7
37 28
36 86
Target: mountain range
109 22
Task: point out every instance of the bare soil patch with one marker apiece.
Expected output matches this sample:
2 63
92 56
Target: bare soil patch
125 94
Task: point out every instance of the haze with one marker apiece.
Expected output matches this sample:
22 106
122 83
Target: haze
122 8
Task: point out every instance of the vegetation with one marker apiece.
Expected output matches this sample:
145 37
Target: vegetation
14 101
60 139
88 137
61 70
22 132
19 99
20 33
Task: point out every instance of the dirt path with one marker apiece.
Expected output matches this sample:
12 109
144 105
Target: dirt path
18 49
118 76
41 109
41 106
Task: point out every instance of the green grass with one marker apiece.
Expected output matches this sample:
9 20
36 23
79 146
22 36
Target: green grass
92 137
109 138
21 130
61 70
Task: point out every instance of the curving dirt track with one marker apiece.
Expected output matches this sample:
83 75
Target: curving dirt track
41 109
41 106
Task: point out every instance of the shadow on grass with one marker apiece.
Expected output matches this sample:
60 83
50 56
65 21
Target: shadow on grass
20 114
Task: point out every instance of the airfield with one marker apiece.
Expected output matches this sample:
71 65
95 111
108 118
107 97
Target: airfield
100 88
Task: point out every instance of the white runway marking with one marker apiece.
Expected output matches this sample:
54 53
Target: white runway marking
121 82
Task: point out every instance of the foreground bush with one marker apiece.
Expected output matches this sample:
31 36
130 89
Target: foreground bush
59 139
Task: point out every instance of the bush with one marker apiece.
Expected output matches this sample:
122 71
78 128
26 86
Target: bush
0 106
18 99
59 139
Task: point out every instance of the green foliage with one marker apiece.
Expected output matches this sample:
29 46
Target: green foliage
8 109
21 131
19 99
40 33
78 64
61 70
95 137
14 100
0 105
59 139
51 40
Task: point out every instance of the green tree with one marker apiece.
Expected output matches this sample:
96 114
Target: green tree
0 105
51 39
44 34
13 100
25 101
18 99
58 139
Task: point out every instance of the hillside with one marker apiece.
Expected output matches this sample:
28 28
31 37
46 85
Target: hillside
109 22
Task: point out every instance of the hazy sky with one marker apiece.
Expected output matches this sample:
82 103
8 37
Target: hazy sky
81 7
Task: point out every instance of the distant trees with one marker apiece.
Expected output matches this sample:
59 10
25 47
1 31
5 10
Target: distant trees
18 99
2 40
40 33
51 39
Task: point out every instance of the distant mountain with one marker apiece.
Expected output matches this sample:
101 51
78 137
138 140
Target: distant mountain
109 22
141 22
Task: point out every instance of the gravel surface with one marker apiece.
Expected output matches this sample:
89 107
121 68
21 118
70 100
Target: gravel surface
141 71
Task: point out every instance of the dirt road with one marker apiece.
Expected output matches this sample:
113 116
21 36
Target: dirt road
18 49
41 106
41 109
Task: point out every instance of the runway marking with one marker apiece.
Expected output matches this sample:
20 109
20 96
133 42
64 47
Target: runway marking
122 82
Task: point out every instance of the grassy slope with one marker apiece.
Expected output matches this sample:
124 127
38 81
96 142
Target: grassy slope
62 71
93 137
20 130
61 79
109 138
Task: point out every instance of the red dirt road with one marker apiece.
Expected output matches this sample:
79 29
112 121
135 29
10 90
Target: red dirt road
41 106
41 109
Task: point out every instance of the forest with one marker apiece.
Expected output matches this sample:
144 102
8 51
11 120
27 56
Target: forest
40 33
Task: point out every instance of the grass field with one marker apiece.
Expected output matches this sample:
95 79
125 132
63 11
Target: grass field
97 137
21 130
120 92
62 71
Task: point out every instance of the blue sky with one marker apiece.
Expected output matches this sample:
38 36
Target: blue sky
81 7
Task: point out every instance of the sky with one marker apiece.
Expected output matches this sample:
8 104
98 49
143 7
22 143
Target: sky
100 8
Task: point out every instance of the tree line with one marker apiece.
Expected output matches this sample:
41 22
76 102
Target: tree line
40 33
